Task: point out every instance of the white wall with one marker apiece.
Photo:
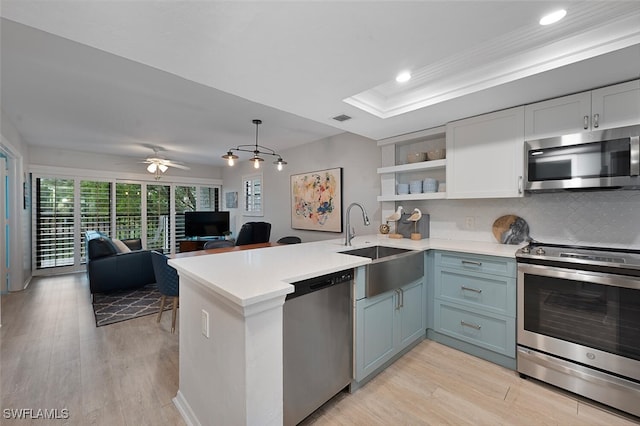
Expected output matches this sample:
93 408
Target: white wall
358 156
603 218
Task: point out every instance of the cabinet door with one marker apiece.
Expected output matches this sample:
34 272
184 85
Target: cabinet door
486 155
616 106
374 332
411 321
559 116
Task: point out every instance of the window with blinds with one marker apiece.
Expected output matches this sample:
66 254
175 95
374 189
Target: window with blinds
128 211
54 223
95 210
185 202
158 214
208 198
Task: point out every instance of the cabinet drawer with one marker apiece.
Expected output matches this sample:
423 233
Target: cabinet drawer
493 333
478 263
490 292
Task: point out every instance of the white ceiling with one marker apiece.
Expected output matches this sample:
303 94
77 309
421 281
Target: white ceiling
117 77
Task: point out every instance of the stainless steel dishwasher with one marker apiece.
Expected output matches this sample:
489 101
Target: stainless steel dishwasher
317 343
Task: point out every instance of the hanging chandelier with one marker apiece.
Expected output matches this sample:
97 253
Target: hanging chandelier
256 159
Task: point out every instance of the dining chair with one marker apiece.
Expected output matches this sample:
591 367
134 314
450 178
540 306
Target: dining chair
168 284
290 240
218 244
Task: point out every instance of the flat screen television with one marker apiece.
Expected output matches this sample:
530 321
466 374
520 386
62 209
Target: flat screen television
205 224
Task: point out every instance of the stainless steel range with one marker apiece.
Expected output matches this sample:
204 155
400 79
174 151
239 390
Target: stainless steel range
579 321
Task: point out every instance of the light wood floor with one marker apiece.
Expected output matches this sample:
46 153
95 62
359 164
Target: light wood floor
53 356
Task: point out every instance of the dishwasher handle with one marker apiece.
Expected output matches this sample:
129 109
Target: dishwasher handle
319 283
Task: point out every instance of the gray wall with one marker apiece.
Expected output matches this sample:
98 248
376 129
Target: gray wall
358 156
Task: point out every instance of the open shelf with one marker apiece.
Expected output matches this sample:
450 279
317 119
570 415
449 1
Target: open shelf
422 196
422 165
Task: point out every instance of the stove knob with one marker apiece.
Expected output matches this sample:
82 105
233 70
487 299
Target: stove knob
540 251
526 250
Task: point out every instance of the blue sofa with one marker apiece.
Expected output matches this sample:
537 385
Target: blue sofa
110 270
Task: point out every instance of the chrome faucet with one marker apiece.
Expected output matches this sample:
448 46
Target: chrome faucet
350 233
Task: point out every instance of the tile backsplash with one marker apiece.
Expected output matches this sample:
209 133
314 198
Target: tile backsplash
604 218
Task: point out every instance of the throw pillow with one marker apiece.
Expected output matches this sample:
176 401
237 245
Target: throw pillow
122 247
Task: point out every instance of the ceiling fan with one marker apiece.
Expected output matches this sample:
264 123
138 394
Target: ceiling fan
158 165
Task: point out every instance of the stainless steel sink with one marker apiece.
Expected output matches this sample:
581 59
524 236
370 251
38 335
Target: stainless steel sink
376 252
391 267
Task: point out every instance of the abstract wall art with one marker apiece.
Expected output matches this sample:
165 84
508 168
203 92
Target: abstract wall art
316 200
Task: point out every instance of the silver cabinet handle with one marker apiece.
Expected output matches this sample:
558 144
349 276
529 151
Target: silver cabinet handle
401 298
596 120
397 299
586 122
475 290
519 184
474 326
471 262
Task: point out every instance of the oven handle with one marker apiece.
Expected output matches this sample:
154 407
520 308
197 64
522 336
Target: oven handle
612 280
635 156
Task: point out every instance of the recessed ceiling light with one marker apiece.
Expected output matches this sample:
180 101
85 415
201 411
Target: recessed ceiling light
403 77
553 17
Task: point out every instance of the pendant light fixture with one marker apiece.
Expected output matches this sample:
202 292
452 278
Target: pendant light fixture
256 159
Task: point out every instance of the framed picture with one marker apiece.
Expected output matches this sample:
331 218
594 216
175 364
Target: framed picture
231 199
316 200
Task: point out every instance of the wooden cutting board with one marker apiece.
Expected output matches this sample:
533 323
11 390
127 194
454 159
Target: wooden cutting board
511 229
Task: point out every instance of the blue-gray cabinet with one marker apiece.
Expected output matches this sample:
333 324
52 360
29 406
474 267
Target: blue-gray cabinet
474 305
386 325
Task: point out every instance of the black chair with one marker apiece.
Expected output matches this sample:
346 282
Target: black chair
168 284
290 240
218 244
254 233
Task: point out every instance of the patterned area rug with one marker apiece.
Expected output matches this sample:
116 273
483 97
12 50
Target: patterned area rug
127 304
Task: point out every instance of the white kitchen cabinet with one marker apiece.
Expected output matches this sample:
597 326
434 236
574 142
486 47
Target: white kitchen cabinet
396 169
485 155
386 325
612 106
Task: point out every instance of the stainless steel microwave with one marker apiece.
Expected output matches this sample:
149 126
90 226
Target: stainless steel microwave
603 159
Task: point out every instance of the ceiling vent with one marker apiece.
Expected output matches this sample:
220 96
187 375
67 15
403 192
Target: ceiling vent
342 117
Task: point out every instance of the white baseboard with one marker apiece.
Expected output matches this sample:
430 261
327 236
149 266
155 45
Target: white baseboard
185 410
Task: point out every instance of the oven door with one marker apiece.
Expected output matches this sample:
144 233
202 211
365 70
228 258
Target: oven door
587 317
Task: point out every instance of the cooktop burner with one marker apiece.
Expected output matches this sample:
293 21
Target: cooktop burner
566 254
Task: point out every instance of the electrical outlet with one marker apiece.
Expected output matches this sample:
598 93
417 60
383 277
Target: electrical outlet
470 222
205 323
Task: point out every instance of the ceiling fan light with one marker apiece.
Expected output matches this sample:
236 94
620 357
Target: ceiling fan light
151 168
163 168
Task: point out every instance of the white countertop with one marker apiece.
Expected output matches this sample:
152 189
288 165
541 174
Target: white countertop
253 276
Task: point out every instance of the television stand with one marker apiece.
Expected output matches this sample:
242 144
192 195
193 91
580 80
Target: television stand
195 243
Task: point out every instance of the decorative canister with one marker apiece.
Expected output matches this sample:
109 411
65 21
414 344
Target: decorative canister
430 185
415 187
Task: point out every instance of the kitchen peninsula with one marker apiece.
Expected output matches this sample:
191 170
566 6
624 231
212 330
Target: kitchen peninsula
231 321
